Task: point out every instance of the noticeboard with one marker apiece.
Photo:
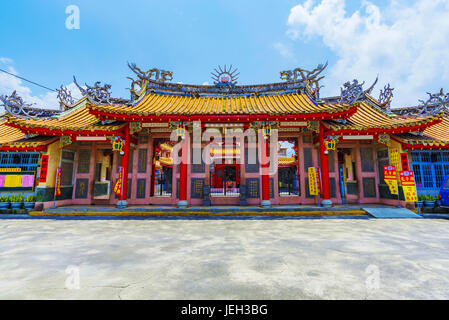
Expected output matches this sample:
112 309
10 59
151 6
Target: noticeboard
17 181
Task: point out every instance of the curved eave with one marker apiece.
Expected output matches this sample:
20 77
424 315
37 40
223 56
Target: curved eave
23 149
423 145
8 134
409 127
440 131
26 146
74 122
90 132
126 114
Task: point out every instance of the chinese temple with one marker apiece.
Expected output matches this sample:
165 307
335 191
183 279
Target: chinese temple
221 144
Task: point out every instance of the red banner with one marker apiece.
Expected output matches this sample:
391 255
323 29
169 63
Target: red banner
44 168
404 161
118 185
58 182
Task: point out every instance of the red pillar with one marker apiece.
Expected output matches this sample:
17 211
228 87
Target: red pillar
324 170
183 173
125 161
265 176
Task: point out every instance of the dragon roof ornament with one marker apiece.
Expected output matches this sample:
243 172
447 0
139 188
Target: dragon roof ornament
436 103
385 97
154 74
65 98
353 92
309 78
15 106
98 93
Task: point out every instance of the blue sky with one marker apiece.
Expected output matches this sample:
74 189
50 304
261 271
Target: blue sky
191 37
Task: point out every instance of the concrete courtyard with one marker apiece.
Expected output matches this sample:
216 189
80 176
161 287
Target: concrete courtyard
224 259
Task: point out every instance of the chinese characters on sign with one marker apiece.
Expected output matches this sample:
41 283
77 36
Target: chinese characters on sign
44 168
404 161
391 178
395 159
314 181
408 185
118 184
313 185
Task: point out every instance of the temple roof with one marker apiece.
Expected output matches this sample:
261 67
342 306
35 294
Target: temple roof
29 143
370 118
77 119
9 134
154 104
440 131
13 139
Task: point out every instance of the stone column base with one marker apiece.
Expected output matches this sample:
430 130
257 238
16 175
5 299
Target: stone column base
266 203
182 204
122 204
326 203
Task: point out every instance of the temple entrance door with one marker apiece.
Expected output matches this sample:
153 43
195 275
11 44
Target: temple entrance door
347 175
102 182
162 181
225 180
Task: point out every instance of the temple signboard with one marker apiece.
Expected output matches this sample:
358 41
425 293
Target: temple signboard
408 185
314 181
395 159
390 178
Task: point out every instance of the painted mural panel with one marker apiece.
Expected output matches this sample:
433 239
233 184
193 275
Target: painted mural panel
81 189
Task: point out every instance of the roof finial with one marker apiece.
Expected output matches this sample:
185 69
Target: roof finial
225 76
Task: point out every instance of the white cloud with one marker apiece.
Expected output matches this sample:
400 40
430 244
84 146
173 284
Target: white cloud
283 50
406 44
9 83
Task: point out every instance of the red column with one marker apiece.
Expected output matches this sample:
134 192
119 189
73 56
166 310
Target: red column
125 160
265 168
183 173
324 170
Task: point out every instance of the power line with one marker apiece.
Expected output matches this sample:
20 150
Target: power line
37 84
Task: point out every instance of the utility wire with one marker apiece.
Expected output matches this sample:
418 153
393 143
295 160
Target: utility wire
37 84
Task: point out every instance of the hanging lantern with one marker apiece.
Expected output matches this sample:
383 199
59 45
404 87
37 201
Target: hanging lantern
267 130
117 145
180 131
330 145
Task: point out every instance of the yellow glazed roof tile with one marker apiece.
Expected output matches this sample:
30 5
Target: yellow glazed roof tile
77 119
278 104
9 134
368 117
440 131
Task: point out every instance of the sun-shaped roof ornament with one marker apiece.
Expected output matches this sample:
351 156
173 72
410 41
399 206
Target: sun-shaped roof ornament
225 76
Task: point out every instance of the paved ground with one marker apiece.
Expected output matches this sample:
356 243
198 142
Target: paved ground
224 259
